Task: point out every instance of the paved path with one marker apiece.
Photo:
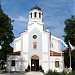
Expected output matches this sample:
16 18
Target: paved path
34 73
29 73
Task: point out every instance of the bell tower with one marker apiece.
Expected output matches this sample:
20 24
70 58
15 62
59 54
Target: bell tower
35 15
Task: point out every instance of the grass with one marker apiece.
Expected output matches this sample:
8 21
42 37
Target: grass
62 73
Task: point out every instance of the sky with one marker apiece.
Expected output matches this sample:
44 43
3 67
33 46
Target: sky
55 12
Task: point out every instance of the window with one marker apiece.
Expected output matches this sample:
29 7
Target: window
35 14
56 64
34 45
39 15
31 15
34 36
13 63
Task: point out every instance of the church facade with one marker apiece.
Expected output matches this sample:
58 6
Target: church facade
36 47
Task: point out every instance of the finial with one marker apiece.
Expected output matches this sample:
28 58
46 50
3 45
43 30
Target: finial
36 5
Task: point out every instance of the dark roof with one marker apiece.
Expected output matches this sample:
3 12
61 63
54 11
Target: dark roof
36 7
64 50
52 53
15 53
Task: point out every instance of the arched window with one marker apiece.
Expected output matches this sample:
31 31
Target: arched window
39 15
56 64
34 45
35 14
13 63
31 15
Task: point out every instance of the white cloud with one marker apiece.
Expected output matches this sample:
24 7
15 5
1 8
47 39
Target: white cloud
21 18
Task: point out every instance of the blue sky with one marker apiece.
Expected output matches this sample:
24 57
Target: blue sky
54 13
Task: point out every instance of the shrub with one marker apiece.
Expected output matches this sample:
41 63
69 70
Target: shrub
28 68
49 72
40 69
54 73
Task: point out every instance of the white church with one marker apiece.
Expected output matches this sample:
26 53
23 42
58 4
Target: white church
36 47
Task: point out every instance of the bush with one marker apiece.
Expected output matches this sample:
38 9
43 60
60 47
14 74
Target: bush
28 69
40 69
61 73
49 73
54 73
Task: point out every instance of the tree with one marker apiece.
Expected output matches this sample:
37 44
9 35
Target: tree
70 30
67 59
69 36
6 34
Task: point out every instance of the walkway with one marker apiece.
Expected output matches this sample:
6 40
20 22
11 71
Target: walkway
34 73
28 73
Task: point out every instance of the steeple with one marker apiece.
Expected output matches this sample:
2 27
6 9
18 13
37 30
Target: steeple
35 15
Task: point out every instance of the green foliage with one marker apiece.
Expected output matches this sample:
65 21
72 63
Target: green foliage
70 30
49 73
69 36
28 68
60 73
73 59
67 59
40 67
52 73
6 34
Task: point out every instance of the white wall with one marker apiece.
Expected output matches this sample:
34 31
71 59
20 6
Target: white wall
45 50
45 66
20 65
24 41
17 44
61 63
45 57
45 42
35 25
31 50
55 44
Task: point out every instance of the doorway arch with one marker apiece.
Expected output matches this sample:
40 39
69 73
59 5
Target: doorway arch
34 63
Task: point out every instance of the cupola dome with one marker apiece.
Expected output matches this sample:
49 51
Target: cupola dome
36 7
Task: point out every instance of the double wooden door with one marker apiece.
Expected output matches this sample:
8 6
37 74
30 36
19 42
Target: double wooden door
34 64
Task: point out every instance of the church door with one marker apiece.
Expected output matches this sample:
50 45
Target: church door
35 63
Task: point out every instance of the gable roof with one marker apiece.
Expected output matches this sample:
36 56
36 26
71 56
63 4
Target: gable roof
15 53
52 53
